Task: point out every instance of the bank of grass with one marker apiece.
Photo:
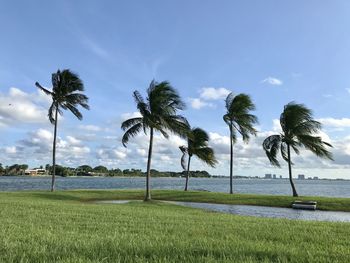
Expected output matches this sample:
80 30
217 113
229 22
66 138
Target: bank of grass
66 227
323 203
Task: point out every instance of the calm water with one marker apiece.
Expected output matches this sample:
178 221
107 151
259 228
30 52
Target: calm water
259 211
254 186
272 212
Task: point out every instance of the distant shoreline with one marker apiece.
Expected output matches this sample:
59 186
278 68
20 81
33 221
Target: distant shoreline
211 177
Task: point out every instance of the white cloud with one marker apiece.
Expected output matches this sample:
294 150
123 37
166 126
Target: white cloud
209 93
73 141
337 123
10 149
92 128
141 152
197 103
129 115
206 95
272 81
18 107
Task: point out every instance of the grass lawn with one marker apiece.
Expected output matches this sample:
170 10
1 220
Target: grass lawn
65 227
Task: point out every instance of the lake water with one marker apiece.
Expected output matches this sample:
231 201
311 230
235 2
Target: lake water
331 188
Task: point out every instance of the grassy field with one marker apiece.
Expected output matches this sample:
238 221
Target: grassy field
66 227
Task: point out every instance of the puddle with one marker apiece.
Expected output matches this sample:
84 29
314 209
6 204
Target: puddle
115 201
258 211
272 212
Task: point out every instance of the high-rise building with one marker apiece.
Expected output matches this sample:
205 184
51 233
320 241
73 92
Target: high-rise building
301 177
268 176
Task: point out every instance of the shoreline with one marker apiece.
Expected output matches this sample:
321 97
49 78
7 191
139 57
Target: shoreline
211 177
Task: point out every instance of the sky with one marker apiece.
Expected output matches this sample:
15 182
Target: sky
275 51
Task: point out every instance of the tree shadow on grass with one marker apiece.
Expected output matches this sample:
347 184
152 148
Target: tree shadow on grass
58 196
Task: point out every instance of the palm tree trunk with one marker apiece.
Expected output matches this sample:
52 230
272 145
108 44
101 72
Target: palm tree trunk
231 161
188 172
148 190
290 172
54 152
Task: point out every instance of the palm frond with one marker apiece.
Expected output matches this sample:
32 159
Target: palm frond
130 122
238 115
51 113
197 144
271 146
298 128
176 124
70 82
284 151
206 154
46 91
228 100
316 145
77 99
74 110
131 132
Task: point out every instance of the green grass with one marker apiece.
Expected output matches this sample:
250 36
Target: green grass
323 203
66 227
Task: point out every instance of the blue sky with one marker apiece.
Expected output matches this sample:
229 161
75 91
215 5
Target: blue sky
276 51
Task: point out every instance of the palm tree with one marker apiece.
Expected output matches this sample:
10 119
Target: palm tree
197 144
66 94
238 118
158 113
298 129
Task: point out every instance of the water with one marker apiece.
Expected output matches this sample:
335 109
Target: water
331 188
259 211
272 212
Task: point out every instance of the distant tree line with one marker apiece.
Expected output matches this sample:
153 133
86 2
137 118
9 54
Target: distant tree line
100 170
15 169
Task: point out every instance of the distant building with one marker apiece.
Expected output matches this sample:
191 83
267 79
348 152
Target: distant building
268 176
315 178
309 178
301 177
280 176
274 176
35 172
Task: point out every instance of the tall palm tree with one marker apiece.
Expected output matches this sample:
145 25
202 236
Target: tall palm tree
66 94
197 144
158 113
298 130
239 119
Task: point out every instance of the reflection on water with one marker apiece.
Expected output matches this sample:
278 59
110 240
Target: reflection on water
254 186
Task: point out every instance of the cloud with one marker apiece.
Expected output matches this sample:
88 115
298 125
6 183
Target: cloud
73 141
209 93
18 107
206 97
11 149
38 145
94 47
129 115
92 128
197 103
272 81
336 123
